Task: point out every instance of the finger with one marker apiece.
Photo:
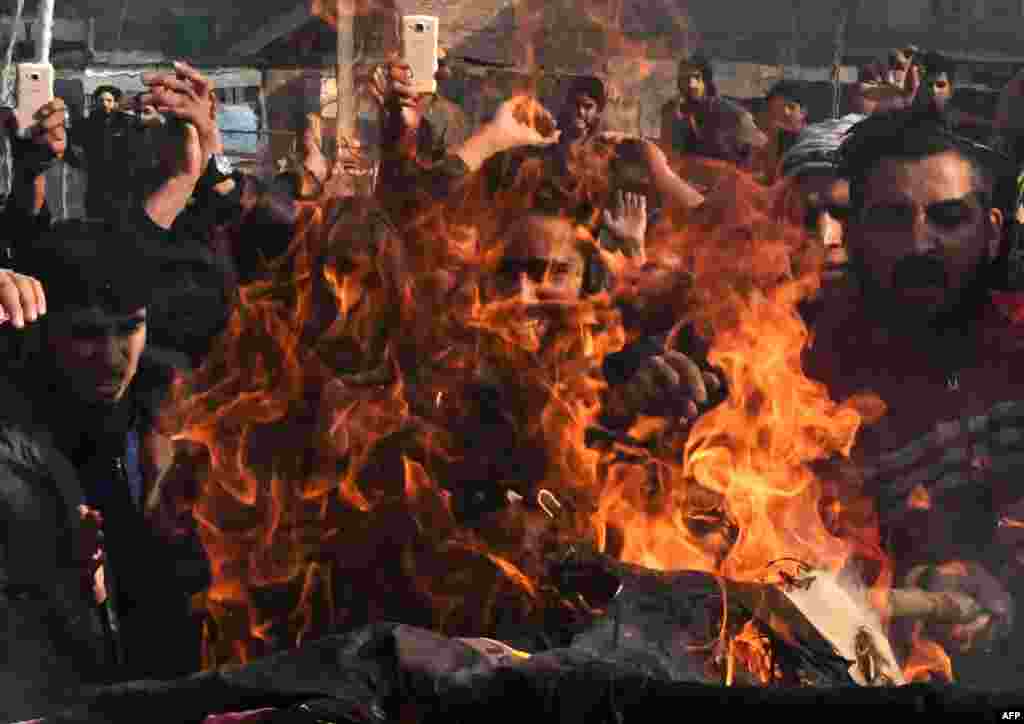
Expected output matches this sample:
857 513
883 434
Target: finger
53 120
175 91
39 295
665 373
27 296
606 216
642 203
56 106
690 374
535 139
201 83
641 388
712 383
184 87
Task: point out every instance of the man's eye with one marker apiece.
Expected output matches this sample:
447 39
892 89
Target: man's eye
129 328
889 215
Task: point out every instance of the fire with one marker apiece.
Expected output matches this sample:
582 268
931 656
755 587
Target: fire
341 414
751 649
927 659
745 495
919 499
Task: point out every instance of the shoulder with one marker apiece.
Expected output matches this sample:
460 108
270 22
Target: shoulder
26 445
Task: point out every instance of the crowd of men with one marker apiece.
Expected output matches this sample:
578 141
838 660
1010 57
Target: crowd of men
909 207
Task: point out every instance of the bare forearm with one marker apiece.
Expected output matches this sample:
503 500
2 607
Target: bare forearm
675 192
38 197
28 195
165 204
478 148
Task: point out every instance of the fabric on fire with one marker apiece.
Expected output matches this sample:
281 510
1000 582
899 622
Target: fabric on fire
379 673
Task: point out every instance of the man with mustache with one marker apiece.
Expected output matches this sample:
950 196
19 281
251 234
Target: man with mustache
921 330
108 137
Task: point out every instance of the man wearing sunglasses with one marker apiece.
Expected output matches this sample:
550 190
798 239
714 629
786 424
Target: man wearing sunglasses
919 328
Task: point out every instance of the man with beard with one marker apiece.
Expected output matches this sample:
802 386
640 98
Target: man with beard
922 332
108 138
681 117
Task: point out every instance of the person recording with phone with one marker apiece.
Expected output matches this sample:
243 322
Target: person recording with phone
81 391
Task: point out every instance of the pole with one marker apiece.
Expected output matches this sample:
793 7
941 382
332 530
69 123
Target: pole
346 120
45 29
840 51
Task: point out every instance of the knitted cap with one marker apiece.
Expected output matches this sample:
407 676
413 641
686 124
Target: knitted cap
816 148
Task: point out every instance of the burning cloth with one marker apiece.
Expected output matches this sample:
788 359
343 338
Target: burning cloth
391 673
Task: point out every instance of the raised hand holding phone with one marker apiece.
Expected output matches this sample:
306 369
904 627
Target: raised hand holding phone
34 91
420 51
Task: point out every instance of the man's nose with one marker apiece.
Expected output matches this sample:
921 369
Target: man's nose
924 238
525 289
829 230
112 350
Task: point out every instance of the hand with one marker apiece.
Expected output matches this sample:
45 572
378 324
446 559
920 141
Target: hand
21 298
666 385
627 222
912 81
522 121
656 158
49 133
315 164
615 137
973 580
149 118
91 550
391 86
186 95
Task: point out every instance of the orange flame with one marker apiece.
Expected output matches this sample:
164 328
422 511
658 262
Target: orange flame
927 660
919 499
338 413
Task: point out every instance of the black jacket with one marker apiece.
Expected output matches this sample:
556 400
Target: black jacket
53 635
57 639
111 145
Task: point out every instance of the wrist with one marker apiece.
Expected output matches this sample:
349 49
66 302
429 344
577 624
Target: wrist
491 139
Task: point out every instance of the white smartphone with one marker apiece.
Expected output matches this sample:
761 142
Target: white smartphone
419 50
34 90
